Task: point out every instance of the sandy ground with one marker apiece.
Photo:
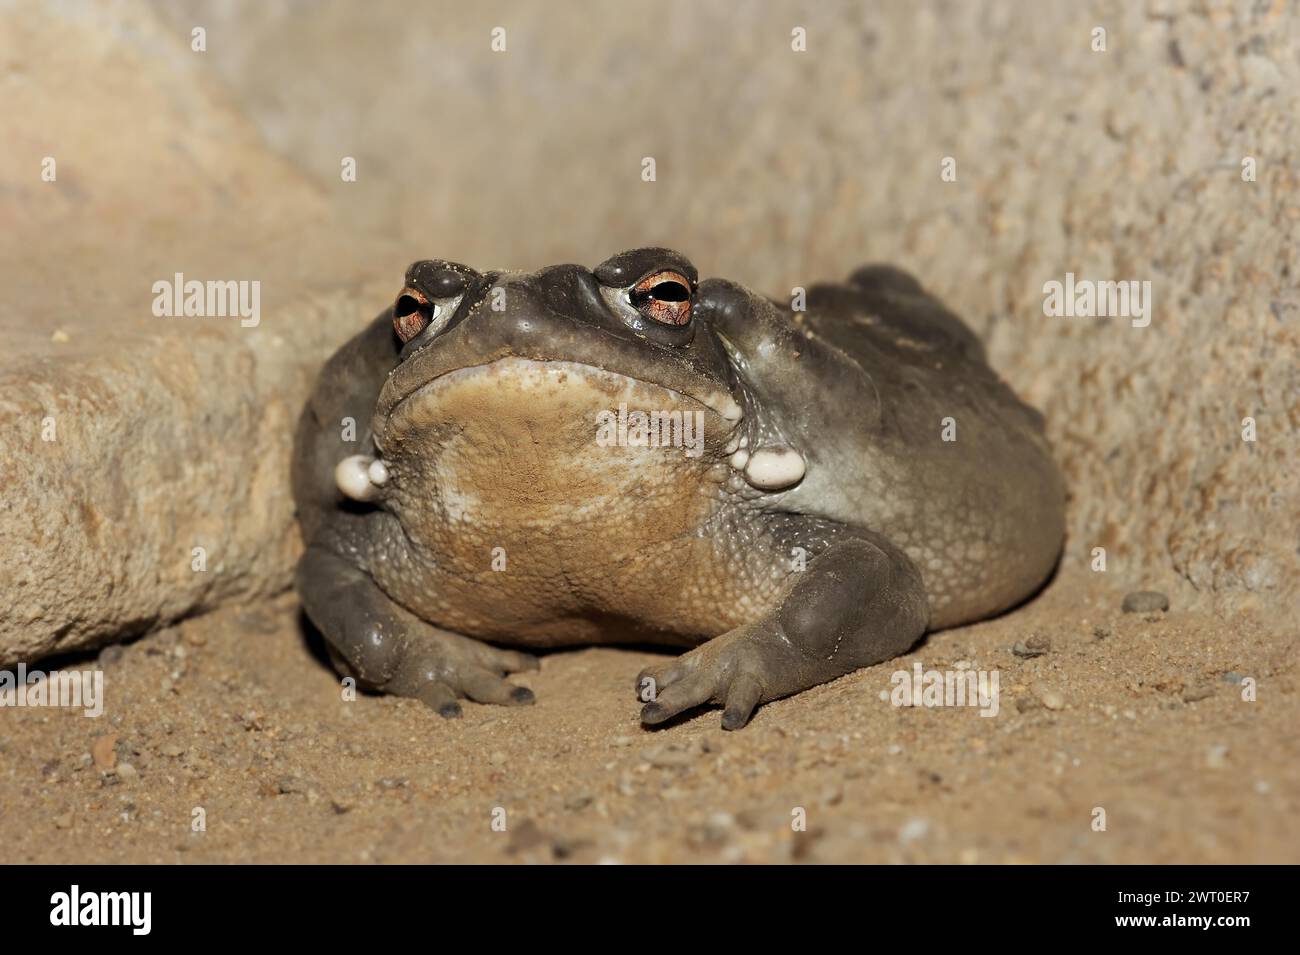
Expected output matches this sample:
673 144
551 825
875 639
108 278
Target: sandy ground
1140 715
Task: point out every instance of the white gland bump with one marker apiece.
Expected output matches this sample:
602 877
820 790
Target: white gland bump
355 476
771 469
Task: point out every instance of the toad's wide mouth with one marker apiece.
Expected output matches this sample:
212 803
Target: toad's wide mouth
715 401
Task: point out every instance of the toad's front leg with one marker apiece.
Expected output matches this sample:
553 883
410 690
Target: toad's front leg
860 602
387 648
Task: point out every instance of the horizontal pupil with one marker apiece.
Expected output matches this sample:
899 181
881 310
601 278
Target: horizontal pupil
405 306
670 292
664 292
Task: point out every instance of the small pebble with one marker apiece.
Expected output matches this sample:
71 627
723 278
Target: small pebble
722 820
525 835
110 655
1027 703
755 819
710 744
578 800
1145 601
63 821
667 757
912 830
289 785
1201 692
127 773
104 754
1035 646
1049 697
1216 757
565 847
702 835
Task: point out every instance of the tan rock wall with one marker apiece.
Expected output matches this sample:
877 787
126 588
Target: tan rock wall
773 167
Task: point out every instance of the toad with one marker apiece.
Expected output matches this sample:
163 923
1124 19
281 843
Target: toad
785 491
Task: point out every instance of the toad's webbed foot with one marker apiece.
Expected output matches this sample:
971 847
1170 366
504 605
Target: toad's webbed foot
861 602
387 648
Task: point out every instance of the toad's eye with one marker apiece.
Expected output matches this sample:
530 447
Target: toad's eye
664 297
412 313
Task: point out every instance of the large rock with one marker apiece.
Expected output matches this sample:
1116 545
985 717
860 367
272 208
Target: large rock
773 167
129 440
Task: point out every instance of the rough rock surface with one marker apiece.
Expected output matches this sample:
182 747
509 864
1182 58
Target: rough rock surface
128 440
773 167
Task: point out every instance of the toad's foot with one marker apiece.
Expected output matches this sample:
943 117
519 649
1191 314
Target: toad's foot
860 602
387 648
734 671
